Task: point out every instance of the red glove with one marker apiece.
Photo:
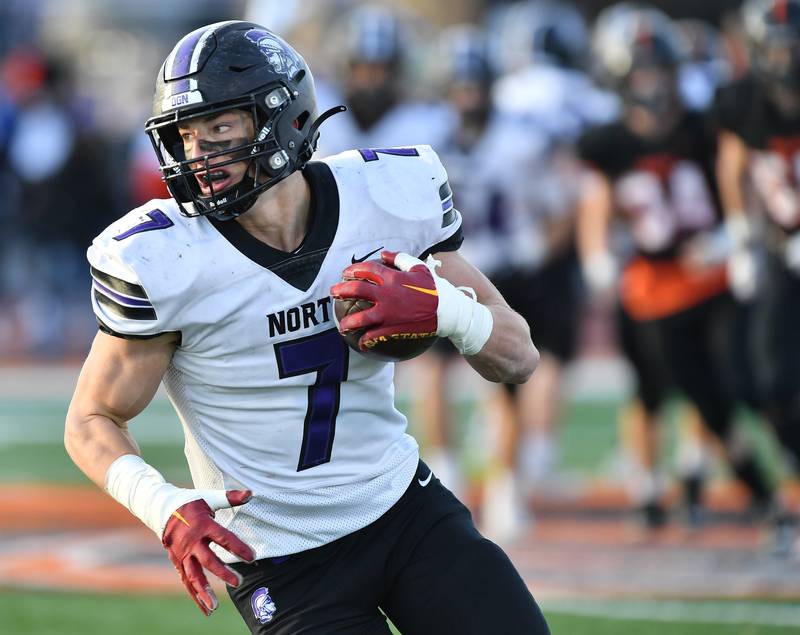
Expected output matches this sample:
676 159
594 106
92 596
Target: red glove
186 537
404 302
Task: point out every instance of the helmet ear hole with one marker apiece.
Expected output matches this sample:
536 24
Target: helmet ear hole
300 122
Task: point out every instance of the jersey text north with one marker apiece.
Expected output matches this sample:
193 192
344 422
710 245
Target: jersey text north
299 317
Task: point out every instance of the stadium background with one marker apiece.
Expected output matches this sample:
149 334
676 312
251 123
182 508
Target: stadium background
71 562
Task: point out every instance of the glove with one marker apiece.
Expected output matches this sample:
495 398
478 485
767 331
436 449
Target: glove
189 531
403 301
409 298
791 253
706 249
184 521
743 274
600 272
742 264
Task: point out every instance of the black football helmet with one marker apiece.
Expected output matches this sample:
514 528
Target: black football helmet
773 33
542 31
375 35
464 56
630 36
228 66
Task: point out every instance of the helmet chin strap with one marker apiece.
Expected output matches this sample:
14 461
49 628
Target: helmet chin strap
241 190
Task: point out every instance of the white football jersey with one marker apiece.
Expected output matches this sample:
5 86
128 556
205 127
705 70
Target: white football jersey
509 189
269 395
562 102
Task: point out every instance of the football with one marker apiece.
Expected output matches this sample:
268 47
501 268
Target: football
389 349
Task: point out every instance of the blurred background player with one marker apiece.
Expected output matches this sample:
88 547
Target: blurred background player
705 65
520 229
57 190
640 431
545 89
655 169
542 48
376 79
758 173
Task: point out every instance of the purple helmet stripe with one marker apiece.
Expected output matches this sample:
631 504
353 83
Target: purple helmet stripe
121 299
182 55
180 86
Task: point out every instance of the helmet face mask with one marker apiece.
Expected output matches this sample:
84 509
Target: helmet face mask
779 62
653 88
773 33
233 66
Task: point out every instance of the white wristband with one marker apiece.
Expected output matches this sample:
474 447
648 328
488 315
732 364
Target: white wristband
737 226
141 488
600 271
460 316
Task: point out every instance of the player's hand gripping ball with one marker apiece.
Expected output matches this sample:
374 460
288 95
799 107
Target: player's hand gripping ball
386 309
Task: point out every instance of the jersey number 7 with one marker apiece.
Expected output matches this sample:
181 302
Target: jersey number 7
326 354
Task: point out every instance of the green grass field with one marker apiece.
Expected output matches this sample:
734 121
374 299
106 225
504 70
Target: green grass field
31 450
40 613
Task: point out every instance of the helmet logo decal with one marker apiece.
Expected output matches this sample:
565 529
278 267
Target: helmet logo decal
281 57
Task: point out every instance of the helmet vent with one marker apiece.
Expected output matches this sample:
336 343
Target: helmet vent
240 69
300 122
299 75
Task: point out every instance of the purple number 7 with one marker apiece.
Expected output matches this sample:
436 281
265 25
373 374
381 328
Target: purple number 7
327 355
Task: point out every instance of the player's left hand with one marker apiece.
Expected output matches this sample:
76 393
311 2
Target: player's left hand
186 538
403 292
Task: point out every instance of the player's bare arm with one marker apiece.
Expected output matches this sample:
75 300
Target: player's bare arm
732 163
594 214
732 166
509 354
445 296
118 380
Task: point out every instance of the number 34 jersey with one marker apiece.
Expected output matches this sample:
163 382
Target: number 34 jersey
269 395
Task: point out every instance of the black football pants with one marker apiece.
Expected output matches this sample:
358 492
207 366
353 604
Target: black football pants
777 352
422 563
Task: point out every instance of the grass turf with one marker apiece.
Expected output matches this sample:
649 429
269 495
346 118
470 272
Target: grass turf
39 613
31 445
31 449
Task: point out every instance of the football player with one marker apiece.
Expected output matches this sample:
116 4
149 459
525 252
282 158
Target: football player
543 48
373 69
308 497
520 236
759 116
654 170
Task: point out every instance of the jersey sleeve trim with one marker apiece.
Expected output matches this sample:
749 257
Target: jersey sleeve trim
126 336
126 299
451 243
118 285
144 311
449 214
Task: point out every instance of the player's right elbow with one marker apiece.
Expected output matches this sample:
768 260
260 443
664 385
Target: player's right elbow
77 432
73 435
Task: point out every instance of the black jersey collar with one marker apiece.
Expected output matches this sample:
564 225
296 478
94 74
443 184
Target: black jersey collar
300 267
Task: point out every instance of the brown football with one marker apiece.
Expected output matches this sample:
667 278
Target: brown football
394 349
